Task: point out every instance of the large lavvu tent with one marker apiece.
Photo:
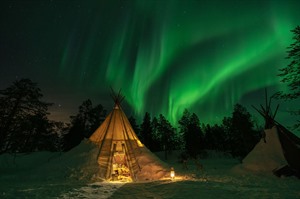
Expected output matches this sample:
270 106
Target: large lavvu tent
278 151
120 153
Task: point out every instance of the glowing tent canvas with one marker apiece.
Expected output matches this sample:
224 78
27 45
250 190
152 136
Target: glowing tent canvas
121 153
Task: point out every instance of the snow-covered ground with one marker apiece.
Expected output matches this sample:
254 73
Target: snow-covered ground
43 175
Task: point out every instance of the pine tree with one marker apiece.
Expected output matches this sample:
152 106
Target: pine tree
240 134
194 142
183 126
147 131
290 74
167 134
23 117
191 131
156 146
84 123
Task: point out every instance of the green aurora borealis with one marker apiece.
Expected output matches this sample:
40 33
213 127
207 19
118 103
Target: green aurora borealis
165 55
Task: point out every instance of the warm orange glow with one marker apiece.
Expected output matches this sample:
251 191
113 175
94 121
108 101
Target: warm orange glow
139 143
172 173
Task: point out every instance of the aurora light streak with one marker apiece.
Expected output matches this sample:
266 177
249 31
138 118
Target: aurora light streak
165 55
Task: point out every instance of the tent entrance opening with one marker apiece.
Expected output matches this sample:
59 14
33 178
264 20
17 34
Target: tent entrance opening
120 171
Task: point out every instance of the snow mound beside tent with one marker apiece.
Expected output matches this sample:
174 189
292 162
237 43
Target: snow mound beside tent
80 163
152 168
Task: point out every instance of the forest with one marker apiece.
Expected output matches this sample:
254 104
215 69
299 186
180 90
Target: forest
26 128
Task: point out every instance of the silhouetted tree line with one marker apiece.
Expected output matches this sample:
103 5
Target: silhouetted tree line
236 135
24 127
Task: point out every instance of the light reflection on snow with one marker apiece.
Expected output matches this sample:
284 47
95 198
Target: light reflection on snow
217 179
97 190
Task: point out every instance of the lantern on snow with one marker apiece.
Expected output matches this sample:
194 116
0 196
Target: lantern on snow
172 173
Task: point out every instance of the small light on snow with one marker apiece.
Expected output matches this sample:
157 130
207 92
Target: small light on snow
172 173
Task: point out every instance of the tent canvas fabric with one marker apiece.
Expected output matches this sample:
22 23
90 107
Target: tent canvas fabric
278 149
291 146
116 138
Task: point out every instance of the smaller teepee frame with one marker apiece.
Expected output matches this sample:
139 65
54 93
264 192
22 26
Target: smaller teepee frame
266 112
116 138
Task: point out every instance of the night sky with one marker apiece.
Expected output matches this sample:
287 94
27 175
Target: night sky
165 55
